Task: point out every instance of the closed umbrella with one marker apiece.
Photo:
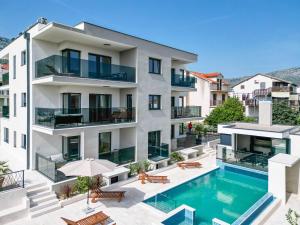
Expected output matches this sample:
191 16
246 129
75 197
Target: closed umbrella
87 168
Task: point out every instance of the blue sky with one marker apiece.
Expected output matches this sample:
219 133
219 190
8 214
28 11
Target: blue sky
235 37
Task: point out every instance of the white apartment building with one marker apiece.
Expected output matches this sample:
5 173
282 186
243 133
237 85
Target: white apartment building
263 87
212 91
92 92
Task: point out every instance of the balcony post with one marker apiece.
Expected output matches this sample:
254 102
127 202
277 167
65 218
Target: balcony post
82 148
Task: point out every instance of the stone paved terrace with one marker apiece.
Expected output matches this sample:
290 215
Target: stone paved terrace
131 210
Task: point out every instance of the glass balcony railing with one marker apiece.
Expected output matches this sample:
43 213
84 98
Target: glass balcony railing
120 156
62 66
183 81
63 118
185 112
49 168
5 111
157 153
5 79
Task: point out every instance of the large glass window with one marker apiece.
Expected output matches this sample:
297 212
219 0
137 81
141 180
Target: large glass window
181 129
172 131
71 103
99 65
71 61
100 107
154 138
225 139
71 147
154 66
104 143
154 102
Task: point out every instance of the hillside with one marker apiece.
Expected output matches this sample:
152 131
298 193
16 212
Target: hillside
3 42
292 75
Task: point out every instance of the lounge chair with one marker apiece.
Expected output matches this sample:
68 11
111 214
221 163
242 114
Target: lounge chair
184 165
152 178
99 194
97 218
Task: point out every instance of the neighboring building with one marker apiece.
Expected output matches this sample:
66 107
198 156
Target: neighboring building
263 87
91 92
212 91
253 144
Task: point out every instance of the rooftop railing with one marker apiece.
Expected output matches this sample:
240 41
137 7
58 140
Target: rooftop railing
12 180
183 81
63 118
120 156
185 112
62 66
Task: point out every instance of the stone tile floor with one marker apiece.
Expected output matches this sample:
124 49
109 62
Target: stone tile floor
131 210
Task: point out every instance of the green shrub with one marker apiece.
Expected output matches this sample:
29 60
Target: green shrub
4 168
146 165
292 217
82 184
176 157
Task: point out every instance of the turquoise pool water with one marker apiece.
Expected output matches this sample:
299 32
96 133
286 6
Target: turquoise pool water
223 193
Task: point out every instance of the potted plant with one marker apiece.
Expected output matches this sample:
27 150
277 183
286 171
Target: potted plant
176 157
4 168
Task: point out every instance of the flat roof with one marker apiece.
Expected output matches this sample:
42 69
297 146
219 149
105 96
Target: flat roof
285 159
259 127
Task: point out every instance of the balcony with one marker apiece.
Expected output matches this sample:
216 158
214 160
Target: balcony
251 102
215 87
57 118
185 112
120 156
5 79
214 103
158 153
49 168
262 92
60 66
282 89
183 81
5 111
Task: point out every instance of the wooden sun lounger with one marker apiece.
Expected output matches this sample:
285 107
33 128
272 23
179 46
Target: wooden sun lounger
152 178
97 218
184 165
99 194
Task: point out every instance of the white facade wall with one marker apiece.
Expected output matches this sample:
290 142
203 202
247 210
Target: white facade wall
50 95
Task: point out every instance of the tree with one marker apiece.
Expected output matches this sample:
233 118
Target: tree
231 110
283 114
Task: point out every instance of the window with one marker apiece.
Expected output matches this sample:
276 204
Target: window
242 86
71 103
99 65
15 139
23 58
71 61
104 143
154 66
181 129
15 105
6 135
225 139
154 102
71 147
172 131
180 101
23 141
223 98
23 99
14 67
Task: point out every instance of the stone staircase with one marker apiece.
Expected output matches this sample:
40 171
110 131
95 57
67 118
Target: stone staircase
42 199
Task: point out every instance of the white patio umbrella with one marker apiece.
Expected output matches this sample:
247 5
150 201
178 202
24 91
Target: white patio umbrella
87 168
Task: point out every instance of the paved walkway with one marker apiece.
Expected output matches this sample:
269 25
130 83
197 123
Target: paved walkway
278 216
131 210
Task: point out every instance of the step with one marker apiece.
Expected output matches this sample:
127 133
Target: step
33 186
44 211
40 194
37 190
38 200
44 205
13 213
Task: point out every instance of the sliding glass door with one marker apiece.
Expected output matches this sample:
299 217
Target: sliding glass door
71 103
99 65
100 107
71 61
71 148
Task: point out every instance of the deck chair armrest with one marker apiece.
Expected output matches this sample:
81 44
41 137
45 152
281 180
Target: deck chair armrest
69 222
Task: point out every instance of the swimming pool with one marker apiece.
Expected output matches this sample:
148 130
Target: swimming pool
225 193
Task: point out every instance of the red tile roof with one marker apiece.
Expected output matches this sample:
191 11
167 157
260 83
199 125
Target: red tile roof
208 76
